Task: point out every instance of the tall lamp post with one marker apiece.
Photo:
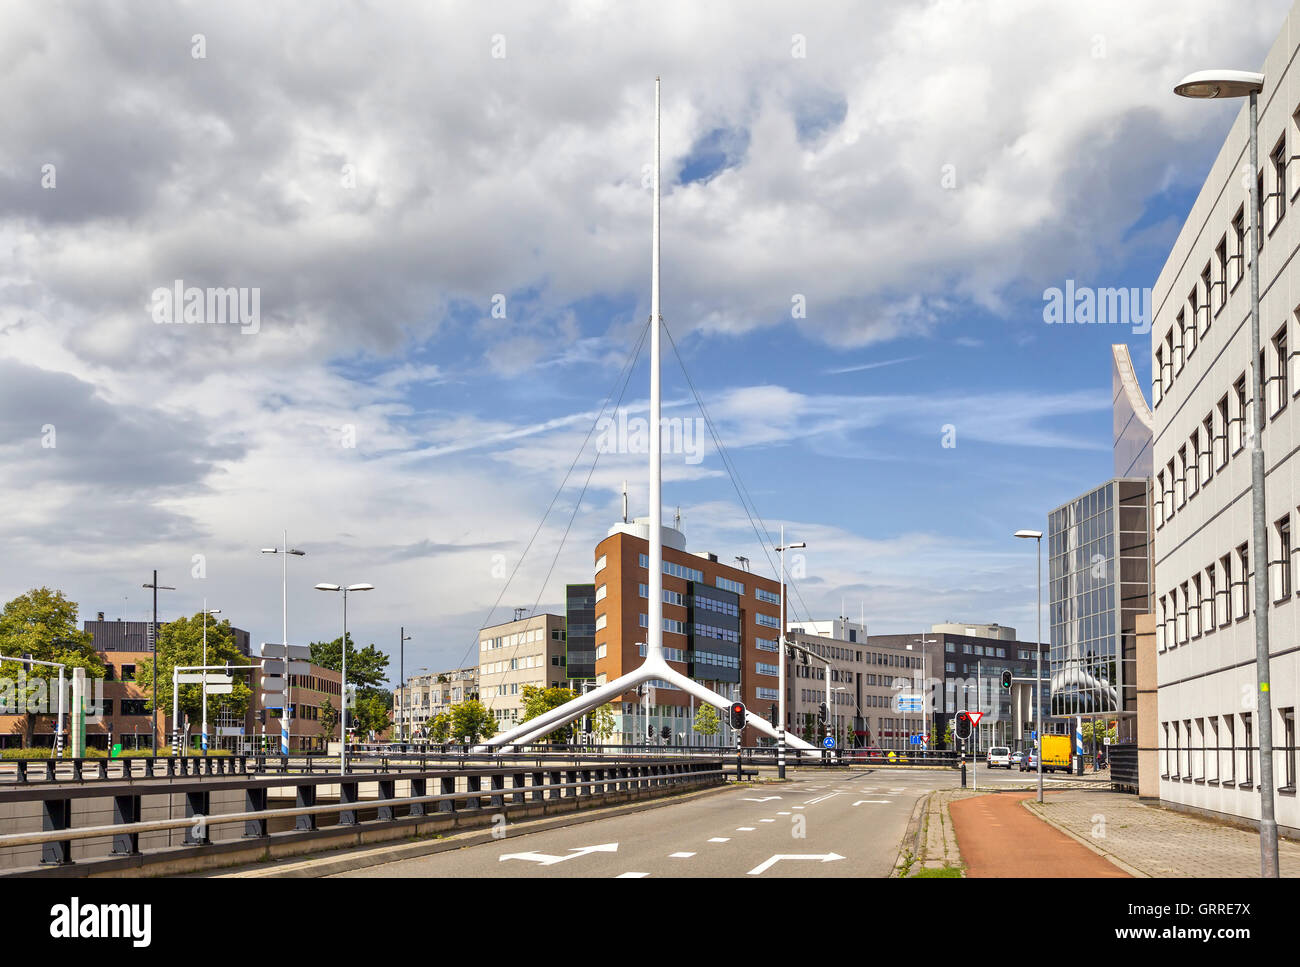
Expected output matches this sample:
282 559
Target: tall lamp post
1230 83
403 638
153 649
284 550
343 684
1038 656
780 728
206 612
925 686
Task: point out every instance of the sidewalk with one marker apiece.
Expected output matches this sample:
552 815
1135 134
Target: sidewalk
998 837
1158 842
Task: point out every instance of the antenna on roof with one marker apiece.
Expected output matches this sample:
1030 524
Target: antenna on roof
625 501
677 518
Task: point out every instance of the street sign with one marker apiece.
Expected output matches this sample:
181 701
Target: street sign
224 730
975 717
219 688
272 650
829 742
910 703
275 666
1106 741
272 684
196 678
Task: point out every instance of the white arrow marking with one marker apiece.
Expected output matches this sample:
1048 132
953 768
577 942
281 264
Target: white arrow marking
546 859
880 801
764 799
766 864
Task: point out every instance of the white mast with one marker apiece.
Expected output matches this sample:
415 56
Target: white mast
655 633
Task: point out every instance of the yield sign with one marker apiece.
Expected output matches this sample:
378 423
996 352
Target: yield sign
975 717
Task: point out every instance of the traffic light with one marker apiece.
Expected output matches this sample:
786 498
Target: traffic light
665 733
1006 679
650 731
771 713
963 727
737 715
821 714
588 724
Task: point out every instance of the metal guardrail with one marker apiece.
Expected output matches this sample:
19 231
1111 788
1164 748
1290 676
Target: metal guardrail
507 785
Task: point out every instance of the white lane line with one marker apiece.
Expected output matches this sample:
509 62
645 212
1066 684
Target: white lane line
783 814
630 876
878 801
767 820
680 856
796 807
720 839
813 802
744 829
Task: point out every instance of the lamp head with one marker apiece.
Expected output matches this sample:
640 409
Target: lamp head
1220 83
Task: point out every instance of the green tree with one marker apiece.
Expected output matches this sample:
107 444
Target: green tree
367 667
329 720
470 719
438 728
706 720
180 642
538 701
603 723
369 713
43 624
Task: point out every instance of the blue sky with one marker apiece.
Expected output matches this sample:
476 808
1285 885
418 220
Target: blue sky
452 251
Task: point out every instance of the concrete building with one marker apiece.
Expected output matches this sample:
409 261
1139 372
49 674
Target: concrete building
972 630
850 699
426 696
1205 565
721 626
512 655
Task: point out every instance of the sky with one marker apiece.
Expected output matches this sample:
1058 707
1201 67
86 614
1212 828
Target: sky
437 216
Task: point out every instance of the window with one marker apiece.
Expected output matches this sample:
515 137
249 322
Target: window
128 673
1239 231
728 585
1188 334
1239 420
1224 426
1247 746
1284 558
1158 377
1243 600
1208 622
1194 608
600 593
600 564
763 669
1197 751
1259 212
1212 749
1278 157
1177 762
767 621
767 597
1181 480
1205 458
1225 564
1229 777
1164 752
1288 750
1221 254
1280 380
1193 470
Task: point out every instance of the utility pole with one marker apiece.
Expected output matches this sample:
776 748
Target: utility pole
401 690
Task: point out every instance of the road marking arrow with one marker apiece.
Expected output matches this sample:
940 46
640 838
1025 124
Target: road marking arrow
546 859
767 864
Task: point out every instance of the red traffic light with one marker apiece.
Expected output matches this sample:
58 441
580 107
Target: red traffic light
737 715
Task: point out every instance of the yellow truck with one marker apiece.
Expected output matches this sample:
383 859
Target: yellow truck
1056 750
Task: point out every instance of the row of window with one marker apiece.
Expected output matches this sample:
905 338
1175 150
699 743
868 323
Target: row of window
1224 431
1209 294
982 651
517 638
1214 597
1207 750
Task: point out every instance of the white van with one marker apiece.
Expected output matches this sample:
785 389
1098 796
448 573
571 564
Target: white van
999 755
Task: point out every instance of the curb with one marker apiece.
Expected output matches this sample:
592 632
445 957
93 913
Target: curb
327 865
1031 806
911 841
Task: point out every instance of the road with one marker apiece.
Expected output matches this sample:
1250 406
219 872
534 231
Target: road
833 825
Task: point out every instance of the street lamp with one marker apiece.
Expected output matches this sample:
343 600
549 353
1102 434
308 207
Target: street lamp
1038 655
153 647
403 638
343 674
1230 83
284 550
780 728
206 612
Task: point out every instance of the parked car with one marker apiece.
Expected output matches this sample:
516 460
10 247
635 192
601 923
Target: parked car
999 755
1029 762
1015 758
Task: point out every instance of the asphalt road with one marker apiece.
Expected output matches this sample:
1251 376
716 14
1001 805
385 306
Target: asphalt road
835 825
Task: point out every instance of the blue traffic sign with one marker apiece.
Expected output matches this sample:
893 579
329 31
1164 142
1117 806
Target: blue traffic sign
829 742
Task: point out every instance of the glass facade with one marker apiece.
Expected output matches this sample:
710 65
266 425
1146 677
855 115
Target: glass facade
1099 581
580 627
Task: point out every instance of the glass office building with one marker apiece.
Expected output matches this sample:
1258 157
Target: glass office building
580 630
1099 582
